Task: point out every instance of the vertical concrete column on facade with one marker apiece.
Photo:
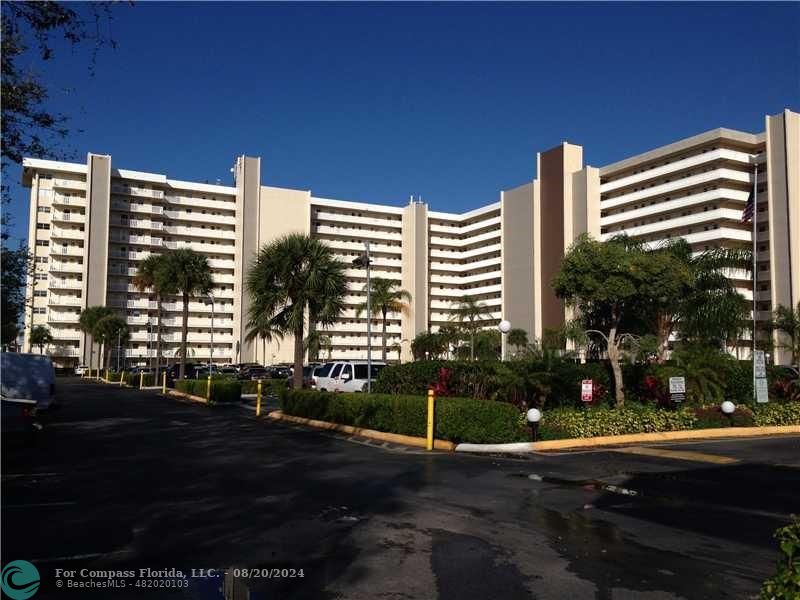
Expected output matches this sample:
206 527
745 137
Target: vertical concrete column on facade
247 172
783 192
281 211
30 282
556 225
415 273
95 239
517 254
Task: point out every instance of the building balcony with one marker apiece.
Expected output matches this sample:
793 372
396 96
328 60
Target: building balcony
65 267
68 217
60 300
200 217
65 284
65 334
69 184
130 190
677 166
204 248
67 251
466 229
67 234
178 201
485 237
677 204
65 200
62 317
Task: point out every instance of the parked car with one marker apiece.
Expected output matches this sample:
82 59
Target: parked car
18 416
348 376
254 373
173 370
280 372
321 371
81 370
28 377
137 370
228 371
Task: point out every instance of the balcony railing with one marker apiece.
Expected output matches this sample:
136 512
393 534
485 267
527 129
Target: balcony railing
69 184
65 200
136 191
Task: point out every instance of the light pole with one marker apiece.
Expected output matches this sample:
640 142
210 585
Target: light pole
211 349
363 261
119 337
534 415
504 327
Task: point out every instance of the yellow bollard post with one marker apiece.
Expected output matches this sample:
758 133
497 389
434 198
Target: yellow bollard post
106 375
164 383
208 390
431 398
258 400
141 380
121 378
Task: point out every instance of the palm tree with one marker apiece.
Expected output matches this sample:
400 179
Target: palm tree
88 320
40 335
317 342
291 276
787 321
152 273
518 338
190 276
707 308
109 330
469 314
384 299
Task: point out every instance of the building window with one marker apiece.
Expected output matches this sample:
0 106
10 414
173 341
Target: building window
43 226
44 209
40 293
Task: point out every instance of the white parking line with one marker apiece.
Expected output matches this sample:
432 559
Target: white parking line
39 505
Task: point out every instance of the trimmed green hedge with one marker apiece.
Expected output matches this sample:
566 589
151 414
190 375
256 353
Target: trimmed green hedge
777 414
222 390
268 386
561 423
456 419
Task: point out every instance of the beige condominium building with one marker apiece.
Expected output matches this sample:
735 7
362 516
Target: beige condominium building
91 223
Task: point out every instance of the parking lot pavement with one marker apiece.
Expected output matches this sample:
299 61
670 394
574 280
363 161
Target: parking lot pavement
122 479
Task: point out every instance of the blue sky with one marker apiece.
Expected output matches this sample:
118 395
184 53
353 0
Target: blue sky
451 101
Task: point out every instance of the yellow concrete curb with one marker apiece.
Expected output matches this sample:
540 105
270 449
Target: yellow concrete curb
369 433
185 396
667 436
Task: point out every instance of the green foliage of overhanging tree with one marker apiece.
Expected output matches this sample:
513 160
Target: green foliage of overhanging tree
428 346
317 343
153 273
190 276
787 323
87 322
40 337
109 331
611 282
293 276
17 265
385 298
469 314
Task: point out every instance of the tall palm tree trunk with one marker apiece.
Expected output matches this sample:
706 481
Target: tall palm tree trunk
184 334
297 377
383 337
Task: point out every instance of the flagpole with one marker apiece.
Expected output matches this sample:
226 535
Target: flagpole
755 270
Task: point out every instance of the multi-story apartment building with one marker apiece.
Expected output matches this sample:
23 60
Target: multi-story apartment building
91 223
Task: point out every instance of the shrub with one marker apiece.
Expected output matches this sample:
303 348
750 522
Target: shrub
222 390
709 417
539 380
268 386
600 421
457 419
777 414
785 584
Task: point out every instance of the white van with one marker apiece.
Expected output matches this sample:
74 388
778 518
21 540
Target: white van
28 377
347 376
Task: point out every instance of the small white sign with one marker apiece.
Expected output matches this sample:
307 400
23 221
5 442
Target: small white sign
677 385
586 390
759 364
762 392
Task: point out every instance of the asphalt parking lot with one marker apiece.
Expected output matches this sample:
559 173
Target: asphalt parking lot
123 479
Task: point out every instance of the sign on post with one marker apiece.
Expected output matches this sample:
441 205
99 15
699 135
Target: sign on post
586 390
677 389
759 365
762 393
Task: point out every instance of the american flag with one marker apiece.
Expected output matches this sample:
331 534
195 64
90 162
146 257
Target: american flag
747 213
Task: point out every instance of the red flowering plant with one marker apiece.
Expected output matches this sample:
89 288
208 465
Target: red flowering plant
653 392
442 385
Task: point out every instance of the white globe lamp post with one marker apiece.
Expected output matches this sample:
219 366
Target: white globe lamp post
534 415
728 408
504 327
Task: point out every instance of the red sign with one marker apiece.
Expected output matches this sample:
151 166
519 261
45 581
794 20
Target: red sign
586 390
